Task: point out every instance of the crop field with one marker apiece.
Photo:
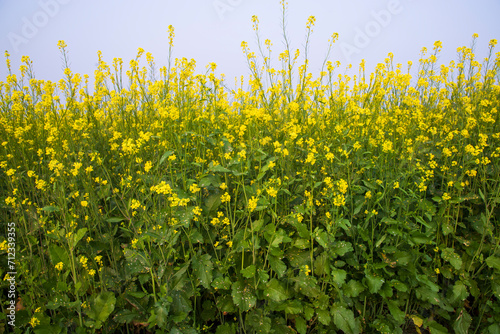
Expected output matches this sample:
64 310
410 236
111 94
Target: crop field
157 200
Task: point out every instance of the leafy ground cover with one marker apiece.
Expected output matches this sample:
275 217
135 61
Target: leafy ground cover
292 204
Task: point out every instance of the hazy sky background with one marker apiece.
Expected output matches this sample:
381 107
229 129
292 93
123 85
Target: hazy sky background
212 31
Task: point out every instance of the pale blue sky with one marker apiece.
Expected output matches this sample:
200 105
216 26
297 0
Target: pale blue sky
212 30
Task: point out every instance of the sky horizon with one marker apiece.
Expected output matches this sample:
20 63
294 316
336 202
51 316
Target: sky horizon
212 31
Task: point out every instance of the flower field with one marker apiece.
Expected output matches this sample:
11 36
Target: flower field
161 201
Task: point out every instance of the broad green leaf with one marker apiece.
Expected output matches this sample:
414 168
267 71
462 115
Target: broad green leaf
51 208
341 247
462 322
321 238
249 271
165 156
448 254
398 285
338 276
277 265
47 329
219 168
493 262
126 316
398 315
308 286
353 288
257 225
102 306
78 236
402 258
494 329
256 320
225 329
427 295
436 328
292 307
180 306
275 291
222 283
374 282
301 325
343 318
324 317
459 293
213 202
202 268
243 296
58 254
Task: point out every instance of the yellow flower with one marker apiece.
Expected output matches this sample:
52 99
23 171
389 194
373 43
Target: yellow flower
148 166
134 242
368 194
229 244
446 197
84 203
59 266
34 322
225 198
396 185
252 203
272 192
194 188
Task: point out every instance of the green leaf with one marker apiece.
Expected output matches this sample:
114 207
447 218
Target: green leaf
225 329
243 296
353 288
338 276
459 293
58 254
321 238
114 220
398 315
219 168
249 271
308 286
78 236
222 283
102 306
292 307
301 325
462 323
213 202
494 329
202 267
343 318
427 295
448 254
51 208
277 265
165 156
436 328
493 262
47 329
324 317
126 316
275 291
341 247
374 282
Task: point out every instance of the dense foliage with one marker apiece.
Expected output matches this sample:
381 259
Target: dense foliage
294 205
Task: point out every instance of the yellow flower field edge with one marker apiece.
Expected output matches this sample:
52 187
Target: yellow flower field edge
162 201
